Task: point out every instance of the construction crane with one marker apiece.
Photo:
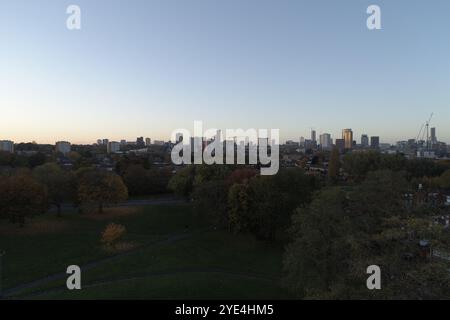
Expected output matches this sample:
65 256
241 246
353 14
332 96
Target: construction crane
428 131
425 130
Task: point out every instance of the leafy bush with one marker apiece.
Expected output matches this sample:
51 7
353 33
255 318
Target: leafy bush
112 234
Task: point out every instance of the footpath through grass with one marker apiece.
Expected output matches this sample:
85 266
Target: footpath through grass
204 263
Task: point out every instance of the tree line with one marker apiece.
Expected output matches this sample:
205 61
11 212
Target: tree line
26 193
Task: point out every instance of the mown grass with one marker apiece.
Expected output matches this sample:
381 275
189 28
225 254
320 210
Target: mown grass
204 263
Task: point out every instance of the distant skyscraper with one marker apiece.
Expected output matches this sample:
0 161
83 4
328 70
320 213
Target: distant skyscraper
302 141
364 140
6 146
140 142
375 142
433 137
123 142
63 147
313 136
340 145
105 142
325 141
113 147
148 142
347 136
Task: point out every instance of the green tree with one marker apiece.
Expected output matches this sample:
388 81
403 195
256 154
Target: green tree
60 184
444 180
238 208
334 165
210 201
316 262
182 182
270 201
137 180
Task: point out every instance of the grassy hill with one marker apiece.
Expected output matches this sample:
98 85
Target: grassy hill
169 254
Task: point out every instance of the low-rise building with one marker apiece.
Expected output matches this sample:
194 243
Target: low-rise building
63 147
6 146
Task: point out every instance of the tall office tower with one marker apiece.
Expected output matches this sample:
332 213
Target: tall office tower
347 136
148 142
113 147
433 137
325 141
63 147
364 140
105 142
313 136
7 146
375 142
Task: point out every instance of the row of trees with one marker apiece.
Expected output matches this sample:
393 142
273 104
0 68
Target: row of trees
28 193
358 164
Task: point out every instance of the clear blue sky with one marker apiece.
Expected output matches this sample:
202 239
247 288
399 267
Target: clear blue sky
144 68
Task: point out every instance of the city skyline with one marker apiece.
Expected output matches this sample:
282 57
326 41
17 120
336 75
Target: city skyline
314 136
152 67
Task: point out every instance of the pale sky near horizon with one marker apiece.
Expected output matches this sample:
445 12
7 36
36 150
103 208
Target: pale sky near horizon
145 68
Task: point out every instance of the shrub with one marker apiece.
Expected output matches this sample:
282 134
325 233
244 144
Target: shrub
112 233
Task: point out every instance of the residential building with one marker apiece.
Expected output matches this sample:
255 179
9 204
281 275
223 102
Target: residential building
63 147
7 146
113 147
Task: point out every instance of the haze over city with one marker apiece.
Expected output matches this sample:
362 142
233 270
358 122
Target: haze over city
154 66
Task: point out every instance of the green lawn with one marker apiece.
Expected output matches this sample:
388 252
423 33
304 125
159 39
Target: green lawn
177 256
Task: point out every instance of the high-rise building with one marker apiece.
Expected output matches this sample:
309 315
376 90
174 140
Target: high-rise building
347 136
375 142
325 141
63 147
123 142
99 141
7 146
140 142
433 137
113 147
340 145
313 136
105 142
302 142
148 142
364 140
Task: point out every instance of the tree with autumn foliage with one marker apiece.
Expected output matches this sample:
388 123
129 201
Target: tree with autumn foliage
21 196
101 188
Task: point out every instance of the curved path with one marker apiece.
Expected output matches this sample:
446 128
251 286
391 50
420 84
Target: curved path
61 275
142 276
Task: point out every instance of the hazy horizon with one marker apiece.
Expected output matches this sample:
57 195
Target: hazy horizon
155 66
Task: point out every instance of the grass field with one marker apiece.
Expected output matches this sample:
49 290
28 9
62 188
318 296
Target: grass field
174 255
